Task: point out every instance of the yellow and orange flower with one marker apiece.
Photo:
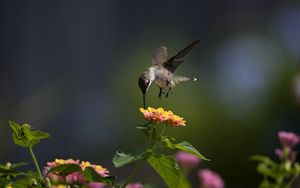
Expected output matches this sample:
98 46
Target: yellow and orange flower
99 169
160 115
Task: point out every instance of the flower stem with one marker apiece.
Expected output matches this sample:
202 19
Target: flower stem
151 146
35 163
133 173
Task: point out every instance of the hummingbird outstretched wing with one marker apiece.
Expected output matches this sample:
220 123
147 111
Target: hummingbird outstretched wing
160 56
172 63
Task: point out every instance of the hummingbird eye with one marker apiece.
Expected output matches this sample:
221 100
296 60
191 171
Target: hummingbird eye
147 82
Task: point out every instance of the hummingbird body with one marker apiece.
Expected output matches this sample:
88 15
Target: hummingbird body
162 71
163 77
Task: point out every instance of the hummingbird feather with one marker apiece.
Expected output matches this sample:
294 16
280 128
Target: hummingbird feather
160 56
178 79
176 60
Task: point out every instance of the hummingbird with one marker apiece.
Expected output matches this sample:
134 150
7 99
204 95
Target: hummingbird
162 71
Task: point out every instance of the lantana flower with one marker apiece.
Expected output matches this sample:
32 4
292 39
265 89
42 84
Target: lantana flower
210 179
74 177
160 115
288 140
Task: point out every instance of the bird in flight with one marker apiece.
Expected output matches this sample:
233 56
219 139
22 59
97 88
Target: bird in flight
162 71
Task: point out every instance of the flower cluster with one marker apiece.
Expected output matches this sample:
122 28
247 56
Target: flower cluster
75 177
160 115
288 140
210 179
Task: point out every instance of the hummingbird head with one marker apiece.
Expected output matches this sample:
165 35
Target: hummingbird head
144 83
146 79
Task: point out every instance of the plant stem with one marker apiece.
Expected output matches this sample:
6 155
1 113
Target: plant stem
35 163
292 180
152 143
152 137
133 173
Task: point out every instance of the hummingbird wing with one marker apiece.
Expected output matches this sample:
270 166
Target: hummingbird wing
160 56
176 60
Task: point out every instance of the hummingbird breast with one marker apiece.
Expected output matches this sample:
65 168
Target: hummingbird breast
164 78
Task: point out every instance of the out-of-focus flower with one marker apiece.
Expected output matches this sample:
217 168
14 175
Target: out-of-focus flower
74 177
278 152
96 185
134 185
210 179
59 186
160 115
288 139
187 160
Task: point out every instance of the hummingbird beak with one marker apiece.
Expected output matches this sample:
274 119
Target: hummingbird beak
144 100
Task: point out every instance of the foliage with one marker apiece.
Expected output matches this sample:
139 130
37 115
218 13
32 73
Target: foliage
280 174
165 165
158 121
25 136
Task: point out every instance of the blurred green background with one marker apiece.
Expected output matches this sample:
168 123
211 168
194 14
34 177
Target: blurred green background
70 68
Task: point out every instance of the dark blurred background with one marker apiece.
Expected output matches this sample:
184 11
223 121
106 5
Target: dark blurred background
70 68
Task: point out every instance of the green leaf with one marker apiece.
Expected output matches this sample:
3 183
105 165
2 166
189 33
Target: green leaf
296 169
16 165
187 147
184 182
184 146
22 183
167 168
24 136
261 158
91 175
267 166
270 171
66 168
266 184
39 135
12 166
121 158
26 182
8 171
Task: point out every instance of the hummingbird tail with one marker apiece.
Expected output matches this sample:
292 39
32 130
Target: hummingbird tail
178 79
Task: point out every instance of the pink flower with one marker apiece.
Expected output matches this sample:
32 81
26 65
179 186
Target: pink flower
288 139
135 185
278 152
210 179
187 160
96 185
75 178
